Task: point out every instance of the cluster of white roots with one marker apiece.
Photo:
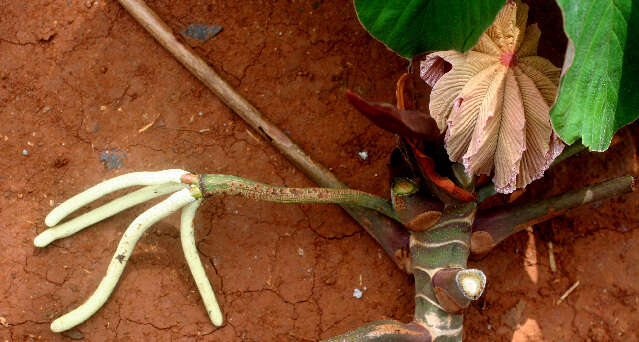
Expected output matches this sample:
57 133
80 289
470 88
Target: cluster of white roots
156 184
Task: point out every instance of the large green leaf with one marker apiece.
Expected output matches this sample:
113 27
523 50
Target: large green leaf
599 91
410 27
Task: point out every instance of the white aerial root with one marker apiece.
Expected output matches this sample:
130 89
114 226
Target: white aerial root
187 235
158 184
96 215
117 264
124 181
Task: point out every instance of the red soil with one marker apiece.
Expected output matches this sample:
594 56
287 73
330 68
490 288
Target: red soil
78 78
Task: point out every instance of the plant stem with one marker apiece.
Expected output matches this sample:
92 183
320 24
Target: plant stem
416 211
443 247
456 287
493 226
388 233
215 184
385 331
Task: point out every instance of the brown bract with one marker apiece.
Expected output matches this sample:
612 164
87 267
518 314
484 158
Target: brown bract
494 103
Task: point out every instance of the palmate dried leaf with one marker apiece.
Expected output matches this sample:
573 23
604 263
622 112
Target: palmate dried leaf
494 103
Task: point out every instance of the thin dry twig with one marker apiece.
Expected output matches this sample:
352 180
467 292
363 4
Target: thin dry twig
551 258
147 126
568 292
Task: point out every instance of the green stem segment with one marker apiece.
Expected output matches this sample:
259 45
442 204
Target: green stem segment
387 232
216 184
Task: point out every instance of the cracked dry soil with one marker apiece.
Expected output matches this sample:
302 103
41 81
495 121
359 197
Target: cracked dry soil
78 78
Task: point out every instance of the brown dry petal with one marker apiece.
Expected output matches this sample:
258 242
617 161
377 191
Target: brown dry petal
494 104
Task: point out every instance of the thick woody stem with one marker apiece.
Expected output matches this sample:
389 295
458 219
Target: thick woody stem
385 331
493 226
456 287
439 257
415 210
387 232
446 245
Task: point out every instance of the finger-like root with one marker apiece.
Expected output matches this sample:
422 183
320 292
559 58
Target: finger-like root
187 235
117 264
124 181
96 215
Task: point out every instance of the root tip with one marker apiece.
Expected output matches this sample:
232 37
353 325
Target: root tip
50 221
42 240
217 320
57 326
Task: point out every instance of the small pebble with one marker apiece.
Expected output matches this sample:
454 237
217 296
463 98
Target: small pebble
363 155
357 293
300 252
25 152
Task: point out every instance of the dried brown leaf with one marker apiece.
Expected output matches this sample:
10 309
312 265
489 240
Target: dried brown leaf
494 103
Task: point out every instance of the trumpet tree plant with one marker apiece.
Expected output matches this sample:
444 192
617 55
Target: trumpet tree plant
490 114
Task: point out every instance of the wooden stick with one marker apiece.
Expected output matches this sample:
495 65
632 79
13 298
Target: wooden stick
391 235
568 292
551 258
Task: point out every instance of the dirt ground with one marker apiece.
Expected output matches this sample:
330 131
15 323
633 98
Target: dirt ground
78 79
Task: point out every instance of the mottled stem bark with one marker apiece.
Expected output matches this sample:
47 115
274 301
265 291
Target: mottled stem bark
217 184
493 226
445 245
385 331
388 233
442 247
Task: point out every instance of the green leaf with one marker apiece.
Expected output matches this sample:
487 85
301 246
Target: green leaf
599 91
410 27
